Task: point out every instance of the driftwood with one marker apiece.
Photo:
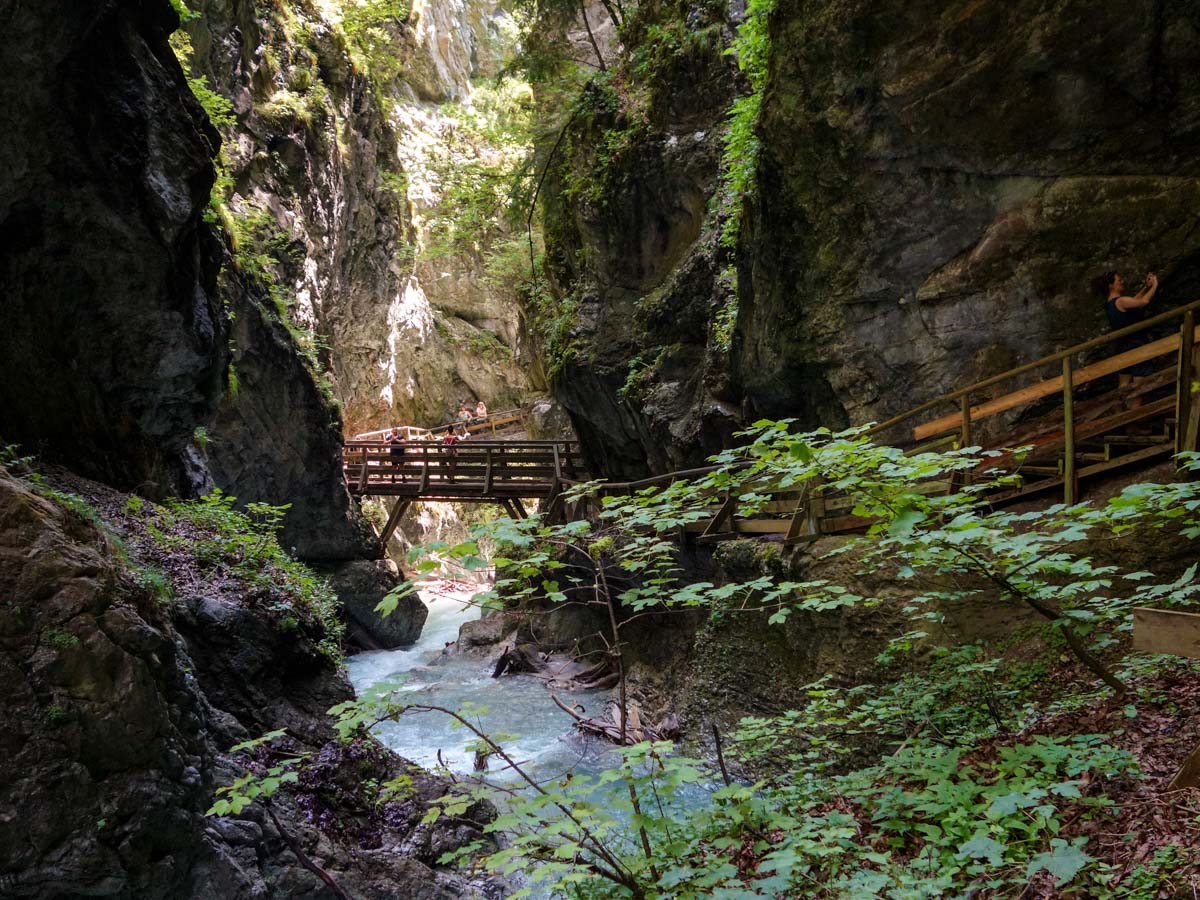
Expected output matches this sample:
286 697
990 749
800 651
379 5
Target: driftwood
1188 775
609 727
519 659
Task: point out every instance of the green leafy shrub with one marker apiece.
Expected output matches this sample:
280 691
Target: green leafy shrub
935 783
243 544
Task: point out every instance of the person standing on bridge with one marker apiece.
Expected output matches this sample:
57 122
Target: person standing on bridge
450 449
395 440
1123 311
480 411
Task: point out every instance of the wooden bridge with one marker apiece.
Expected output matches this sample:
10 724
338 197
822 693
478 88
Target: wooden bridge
1066 407
505 473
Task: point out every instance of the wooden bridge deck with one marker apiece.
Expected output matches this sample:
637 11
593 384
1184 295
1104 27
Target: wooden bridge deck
1077 425
472 471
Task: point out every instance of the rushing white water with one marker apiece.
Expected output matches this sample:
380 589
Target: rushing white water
517 710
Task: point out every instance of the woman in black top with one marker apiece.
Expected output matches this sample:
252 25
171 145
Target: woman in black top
1122 311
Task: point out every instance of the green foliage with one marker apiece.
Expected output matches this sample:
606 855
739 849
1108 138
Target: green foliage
181 9
153 581
57 716
231 378
11 459
243 544
72 503
725 320
373 28
60 640
216 106
740 156
259 784
935 783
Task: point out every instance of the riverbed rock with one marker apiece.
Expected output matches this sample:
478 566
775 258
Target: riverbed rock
360 585
485 632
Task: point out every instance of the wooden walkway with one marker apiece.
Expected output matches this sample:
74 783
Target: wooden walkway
1066 407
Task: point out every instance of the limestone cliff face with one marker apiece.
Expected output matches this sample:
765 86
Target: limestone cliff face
940 182
632 226
112 336
326 159
116 326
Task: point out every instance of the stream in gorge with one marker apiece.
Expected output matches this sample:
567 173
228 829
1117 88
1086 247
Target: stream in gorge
516 709
536 732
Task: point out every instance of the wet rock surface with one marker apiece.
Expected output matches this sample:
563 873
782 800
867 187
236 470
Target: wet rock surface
326 160
277 439
940 183
360 585
122 705
112 336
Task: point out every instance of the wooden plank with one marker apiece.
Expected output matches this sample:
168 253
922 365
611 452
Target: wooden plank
1183 383
725 511
837 524
1191 441
964 413
950 441
1069 490
799 519
1055 444
1166 631
1115 462
1030 366
1050 386
393 520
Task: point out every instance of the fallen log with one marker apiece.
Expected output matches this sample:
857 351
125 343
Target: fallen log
610 728
518 660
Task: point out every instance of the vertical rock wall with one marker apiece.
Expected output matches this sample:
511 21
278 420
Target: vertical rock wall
328 155
941 180
112 336
632 227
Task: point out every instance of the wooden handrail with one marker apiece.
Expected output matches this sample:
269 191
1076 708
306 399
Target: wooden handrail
1045 360
1049 386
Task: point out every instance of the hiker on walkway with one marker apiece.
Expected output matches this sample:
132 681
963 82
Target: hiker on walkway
395 440
450 450
1123 311
481 411
464 414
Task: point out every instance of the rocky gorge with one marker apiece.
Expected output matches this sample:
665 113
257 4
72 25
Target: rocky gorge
918 223
236 233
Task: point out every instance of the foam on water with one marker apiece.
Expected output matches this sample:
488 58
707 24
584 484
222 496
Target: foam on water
517 710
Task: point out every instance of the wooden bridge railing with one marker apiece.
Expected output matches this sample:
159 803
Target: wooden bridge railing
493 423
1073 431
471 471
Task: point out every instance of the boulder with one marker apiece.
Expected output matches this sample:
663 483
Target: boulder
360 585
